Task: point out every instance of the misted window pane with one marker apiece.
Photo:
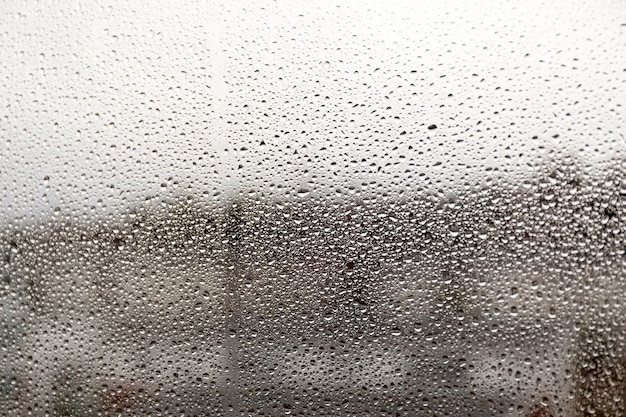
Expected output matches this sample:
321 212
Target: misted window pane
313 209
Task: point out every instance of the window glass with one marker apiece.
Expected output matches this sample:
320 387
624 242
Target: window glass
312 208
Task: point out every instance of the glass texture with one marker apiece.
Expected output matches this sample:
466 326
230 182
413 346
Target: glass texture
313 208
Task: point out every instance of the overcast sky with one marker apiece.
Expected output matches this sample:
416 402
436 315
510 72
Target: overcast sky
103 105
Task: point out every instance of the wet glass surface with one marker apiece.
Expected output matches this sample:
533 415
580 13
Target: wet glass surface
348 209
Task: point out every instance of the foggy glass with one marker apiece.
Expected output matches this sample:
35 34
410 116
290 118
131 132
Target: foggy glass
312 208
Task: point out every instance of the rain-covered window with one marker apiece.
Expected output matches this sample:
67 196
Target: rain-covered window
313 209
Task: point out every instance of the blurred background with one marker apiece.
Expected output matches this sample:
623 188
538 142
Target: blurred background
312 208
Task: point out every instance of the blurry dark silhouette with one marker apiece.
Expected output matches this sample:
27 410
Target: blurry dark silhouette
467 305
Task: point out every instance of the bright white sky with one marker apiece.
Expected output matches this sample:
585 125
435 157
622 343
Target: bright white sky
103 105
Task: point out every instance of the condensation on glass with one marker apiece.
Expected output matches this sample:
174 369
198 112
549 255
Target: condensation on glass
312 209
